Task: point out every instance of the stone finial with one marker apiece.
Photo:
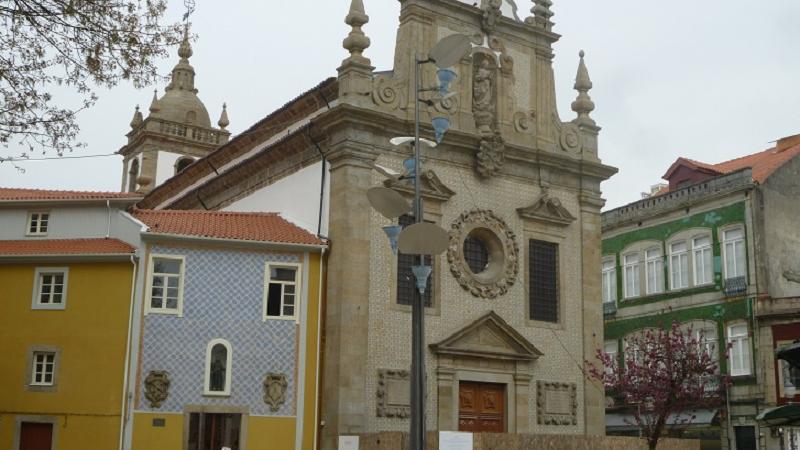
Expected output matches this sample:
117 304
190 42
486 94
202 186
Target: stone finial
223 118
154 106
137 118
541 14
185 49
583 104
356 42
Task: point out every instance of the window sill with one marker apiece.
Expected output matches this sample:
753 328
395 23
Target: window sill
40 387
216 394
61 307
543 324
286 319
164 312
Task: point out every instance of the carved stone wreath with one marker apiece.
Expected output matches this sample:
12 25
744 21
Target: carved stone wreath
156 387
503 266
275 390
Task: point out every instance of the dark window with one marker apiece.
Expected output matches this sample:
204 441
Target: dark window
219 359
214 431
745 438
182 164
133 173
281 291
406 283
476 254
543 280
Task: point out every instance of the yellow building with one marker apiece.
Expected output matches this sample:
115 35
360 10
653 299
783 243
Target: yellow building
66 278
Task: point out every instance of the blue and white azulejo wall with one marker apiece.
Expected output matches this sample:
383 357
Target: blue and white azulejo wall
223 299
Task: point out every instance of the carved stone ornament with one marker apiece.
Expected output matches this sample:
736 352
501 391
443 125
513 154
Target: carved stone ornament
491 15
491 156
503 253
548 210
431 186
525 122
556 403
394 393
387 92
156 387
275 385
792 276
570 139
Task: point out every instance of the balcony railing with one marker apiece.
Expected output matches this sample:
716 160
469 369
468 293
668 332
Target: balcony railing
735 285
609 308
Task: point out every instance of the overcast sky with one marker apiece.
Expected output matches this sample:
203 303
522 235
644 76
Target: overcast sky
710 80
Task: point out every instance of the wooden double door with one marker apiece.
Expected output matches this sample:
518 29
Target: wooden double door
481 407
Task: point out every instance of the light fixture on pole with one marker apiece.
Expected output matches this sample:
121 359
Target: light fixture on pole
420 238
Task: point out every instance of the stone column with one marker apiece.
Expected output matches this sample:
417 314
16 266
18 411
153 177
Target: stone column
593 391
522 388
446 395
345 402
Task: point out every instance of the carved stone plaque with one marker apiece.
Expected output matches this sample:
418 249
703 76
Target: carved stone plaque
394 393
556 403
156 387
275 385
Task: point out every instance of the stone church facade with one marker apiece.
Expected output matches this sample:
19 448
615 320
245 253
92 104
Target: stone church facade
514 307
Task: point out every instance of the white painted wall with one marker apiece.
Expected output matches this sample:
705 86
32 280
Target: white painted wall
296 197
165 166
71 223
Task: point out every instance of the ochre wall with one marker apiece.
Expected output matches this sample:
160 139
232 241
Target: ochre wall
263 433
91 335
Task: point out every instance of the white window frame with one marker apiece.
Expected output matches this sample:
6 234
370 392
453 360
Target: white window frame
609 280
612 345
228 369
36 300
742 340
297 290
636 269
672 256
657 262
38 231
34 364
698 255
724 245
149 288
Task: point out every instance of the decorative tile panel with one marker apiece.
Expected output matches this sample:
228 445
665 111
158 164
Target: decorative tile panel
223 298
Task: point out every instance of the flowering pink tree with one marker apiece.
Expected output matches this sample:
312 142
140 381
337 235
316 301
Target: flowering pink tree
666 376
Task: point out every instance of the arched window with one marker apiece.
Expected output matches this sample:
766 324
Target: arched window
133 174
182 164
218 368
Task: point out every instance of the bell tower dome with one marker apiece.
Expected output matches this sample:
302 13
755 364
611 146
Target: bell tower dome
176 132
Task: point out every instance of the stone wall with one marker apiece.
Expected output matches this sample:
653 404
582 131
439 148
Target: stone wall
494 441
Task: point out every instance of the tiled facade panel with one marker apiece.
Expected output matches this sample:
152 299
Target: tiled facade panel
223 299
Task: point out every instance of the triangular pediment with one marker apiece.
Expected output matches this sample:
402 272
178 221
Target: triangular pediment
431 186
488 337
549 210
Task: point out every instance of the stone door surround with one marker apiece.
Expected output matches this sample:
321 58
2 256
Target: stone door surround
487 350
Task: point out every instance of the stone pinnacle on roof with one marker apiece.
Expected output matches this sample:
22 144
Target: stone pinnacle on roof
583 104
356 42
223 118
185 50
137 118
541 14
154 107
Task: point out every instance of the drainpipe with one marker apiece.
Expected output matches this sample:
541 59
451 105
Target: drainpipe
124 411
319 350
108 213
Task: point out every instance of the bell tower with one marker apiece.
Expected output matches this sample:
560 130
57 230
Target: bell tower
175 133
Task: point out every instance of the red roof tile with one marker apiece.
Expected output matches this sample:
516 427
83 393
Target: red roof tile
265 227
98 246
24 194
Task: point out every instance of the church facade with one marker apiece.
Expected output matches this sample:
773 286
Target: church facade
514 307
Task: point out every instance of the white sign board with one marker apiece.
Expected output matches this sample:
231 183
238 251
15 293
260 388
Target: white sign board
348 442
454 440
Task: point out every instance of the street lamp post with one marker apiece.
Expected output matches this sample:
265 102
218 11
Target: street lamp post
420 238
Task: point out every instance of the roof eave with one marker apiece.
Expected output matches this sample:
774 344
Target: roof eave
127 201
272 245
60 257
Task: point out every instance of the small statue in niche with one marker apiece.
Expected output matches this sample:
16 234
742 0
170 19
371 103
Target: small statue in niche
483 98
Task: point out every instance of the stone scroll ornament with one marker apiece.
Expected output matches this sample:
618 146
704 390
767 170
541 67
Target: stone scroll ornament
275 385
505 273
156 387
